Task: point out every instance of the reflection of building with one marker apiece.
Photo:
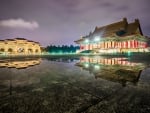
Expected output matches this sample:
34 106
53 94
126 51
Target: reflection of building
19 64
108 61
19 78
117 37
112 69
19 46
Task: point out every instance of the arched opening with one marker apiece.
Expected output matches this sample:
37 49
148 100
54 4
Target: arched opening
10 50
36 51
2 50
30 51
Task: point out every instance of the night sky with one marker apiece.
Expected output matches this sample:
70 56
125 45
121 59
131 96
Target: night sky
62 22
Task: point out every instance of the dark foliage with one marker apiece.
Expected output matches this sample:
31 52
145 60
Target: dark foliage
61 49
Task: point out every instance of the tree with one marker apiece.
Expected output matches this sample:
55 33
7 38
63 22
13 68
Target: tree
62 49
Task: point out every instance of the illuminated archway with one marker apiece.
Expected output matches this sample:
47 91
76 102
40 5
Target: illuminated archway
19 46
30 51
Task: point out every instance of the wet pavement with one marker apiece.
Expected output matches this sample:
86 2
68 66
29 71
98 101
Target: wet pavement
88 84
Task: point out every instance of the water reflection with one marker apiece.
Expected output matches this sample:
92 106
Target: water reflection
19 63
62 59
57 85
113 69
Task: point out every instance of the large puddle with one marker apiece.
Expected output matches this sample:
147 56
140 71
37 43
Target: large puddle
85 84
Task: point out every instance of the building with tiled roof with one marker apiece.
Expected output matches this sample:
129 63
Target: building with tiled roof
19 46
117 37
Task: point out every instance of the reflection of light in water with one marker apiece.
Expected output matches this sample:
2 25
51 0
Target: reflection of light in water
86 65
109 61
113 69
96 67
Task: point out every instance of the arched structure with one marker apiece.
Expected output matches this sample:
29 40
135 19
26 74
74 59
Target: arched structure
19 46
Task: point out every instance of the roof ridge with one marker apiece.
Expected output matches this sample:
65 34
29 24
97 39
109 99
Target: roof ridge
124 20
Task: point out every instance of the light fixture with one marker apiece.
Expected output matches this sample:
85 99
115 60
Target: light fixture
86 65
96 67
97 39
86 40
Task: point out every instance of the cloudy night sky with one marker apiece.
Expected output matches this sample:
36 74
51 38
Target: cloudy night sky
61 22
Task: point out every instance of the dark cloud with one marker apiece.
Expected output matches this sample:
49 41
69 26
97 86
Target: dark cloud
123 8
105 4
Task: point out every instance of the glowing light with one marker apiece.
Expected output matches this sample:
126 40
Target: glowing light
87 41
96 67
97 39
86 65
129 53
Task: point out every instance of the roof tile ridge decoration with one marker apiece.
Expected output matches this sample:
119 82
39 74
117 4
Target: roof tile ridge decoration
20 38
132 27
37 42
138 22
14 39
33 42
109 25
30 41
97 29
8 39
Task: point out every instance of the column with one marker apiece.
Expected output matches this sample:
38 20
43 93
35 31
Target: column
137 44
129 45
126 46
133 46
113 45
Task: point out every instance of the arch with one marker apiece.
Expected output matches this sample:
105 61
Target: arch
2 50
30 50
36 51
19 46
10 50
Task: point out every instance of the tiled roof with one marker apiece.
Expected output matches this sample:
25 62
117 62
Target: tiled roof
10 39
134 28
109 30
121 29
20 38
80 40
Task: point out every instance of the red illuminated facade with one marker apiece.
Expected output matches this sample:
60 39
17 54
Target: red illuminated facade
119 37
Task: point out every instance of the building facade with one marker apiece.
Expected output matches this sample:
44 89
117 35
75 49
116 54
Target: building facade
19 46
119 37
